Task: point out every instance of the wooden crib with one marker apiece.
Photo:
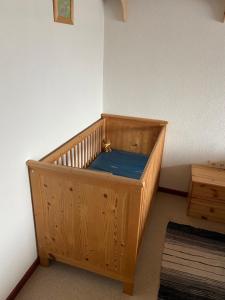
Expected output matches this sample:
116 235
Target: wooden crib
90 219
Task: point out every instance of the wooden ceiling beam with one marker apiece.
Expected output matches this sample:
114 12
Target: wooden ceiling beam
125 9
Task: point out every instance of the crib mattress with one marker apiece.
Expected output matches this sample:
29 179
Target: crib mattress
121 163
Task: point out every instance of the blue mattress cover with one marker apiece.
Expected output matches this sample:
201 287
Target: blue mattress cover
120 163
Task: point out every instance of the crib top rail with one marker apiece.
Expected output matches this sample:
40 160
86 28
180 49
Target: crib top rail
62 150
84 175
150 122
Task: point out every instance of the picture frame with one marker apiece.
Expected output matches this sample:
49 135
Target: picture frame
63 11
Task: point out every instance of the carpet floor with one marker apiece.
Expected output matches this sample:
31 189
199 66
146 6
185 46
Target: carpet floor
62 282
193 264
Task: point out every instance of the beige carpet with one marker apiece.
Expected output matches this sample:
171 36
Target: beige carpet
59 282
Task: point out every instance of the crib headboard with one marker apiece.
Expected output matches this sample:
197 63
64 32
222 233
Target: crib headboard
81 150
132 134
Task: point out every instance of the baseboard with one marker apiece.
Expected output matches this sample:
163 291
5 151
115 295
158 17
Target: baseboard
23 280
173 192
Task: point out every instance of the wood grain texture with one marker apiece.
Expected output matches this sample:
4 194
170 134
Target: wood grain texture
120 117
208 175
150 179
90 219
86 222
131 135
207 193
207 210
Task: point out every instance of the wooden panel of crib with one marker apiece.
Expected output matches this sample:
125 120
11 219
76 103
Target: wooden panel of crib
149 179
95 220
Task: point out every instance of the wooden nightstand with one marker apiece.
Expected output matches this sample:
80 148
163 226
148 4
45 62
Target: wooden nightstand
207 193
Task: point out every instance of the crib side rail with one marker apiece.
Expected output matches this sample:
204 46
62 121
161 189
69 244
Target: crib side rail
150 179
154 122
81 150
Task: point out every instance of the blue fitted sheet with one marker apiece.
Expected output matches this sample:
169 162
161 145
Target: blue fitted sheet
120 163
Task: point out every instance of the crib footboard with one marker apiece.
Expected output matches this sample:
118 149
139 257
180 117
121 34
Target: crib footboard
87 219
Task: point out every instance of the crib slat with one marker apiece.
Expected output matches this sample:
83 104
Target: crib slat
82 154
92 147
89 149
95 144
69 164
65 159
100 139
76 156
97 141
79 155
72 157
85 152
97 138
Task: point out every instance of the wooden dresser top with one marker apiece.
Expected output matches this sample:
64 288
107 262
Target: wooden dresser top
208 175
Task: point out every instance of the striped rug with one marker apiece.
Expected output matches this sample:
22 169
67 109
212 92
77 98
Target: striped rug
193 264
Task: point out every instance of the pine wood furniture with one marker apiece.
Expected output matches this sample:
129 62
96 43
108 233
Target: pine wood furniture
90 219
125 9
207 193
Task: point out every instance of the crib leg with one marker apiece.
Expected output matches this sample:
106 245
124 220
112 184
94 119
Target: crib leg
44 261
128 288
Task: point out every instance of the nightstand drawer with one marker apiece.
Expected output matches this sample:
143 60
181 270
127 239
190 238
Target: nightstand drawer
207 209
206 191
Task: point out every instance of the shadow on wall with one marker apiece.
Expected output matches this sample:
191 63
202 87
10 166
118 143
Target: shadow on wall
176 177
115 9
216 9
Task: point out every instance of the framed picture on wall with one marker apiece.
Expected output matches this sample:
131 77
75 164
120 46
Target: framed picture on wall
63 11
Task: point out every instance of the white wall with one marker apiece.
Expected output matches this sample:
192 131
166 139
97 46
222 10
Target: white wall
168 62
50 89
